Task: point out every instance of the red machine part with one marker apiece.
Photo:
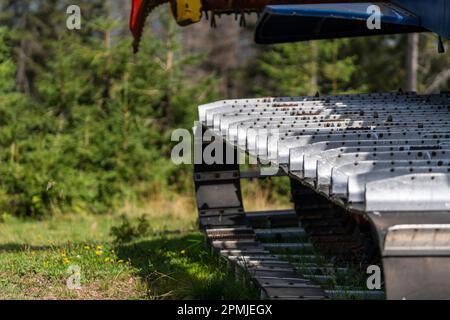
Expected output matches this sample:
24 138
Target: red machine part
136 7
140 9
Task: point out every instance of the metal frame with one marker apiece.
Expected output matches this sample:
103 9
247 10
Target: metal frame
302 22
392 173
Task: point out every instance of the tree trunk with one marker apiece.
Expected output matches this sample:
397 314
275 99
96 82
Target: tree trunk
412 62
22 80
314 86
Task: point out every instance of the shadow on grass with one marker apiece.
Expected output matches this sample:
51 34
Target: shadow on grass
182 267
17 247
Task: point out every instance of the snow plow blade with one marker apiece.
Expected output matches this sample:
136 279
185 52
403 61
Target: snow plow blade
290 23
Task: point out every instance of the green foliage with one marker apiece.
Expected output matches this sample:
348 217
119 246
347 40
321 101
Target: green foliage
35 257
96 130
302 68
181 267
434 75
379 62
7 66
130 230
366 64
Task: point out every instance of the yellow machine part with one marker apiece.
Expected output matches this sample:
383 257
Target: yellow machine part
187 11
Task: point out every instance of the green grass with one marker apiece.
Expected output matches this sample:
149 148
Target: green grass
182 267
171 262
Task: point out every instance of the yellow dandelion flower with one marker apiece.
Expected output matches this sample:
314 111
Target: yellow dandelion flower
98 252
66 261
99 247
107 259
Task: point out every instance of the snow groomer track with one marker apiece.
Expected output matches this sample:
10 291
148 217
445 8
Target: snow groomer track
370 182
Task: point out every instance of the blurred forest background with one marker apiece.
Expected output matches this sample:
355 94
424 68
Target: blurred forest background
85 125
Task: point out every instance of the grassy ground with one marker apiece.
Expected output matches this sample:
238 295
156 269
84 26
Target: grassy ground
37 258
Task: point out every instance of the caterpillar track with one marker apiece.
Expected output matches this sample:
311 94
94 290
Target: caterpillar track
370 181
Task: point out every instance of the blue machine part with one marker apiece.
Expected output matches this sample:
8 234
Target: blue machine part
434 14
289 23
